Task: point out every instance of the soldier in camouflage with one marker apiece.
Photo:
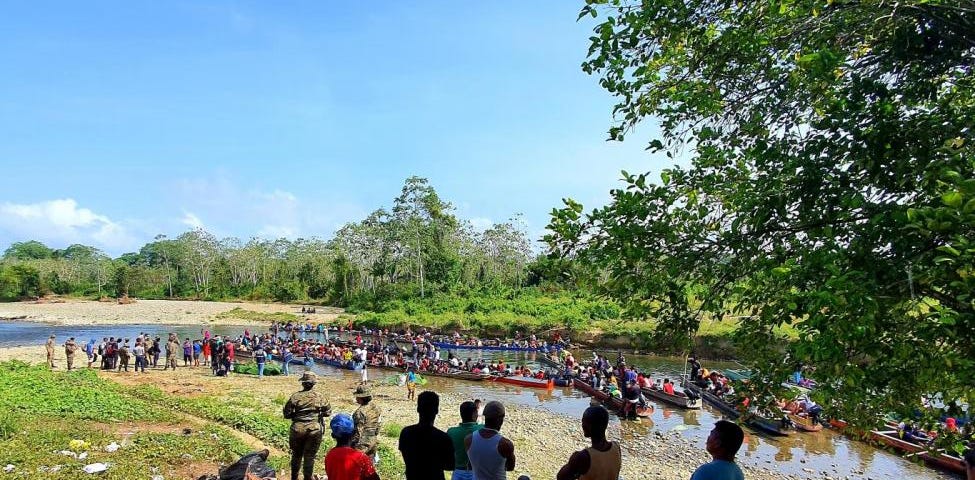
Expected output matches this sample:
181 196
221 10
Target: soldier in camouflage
366 419
306 409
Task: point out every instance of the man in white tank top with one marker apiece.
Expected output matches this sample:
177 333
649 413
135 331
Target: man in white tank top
603 460
491 455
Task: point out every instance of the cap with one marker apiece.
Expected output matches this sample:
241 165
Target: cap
308 377
342 425
362 391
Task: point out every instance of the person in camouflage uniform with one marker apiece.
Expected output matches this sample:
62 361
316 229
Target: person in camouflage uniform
49 346
306 409
366 419
70 347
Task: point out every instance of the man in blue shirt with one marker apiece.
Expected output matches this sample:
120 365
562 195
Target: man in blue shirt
723 444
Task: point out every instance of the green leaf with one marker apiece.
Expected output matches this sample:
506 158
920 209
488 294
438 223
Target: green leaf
952 199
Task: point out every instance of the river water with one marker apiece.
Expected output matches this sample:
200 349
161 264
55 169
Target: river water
805 454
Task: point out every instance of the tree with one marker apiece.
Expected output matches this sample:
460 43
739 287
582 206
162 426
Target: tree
830 187
30 250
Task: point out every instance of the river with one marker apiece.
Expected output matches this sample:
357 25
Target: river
805 454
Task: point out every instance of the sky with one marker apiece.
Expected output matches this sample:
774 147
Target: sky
123 120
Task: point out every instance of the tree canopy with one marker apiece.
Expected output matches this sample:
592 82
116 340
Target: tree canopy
828 184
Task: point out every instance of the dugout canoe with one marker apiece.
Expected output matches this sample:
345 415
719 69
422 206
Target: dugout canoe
804 424
496 348
889 438
614 403
455 374
523 381
679 400
757 422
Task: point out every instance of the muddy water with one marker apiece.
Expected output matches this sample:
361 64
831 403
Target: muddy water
804 454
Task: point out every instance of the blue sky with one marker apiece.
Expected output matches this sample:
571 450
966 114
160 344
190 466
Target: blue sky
123 120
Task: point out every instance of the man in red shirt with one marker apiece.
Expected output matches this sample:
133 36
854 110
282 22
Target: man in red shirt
344 462
668 387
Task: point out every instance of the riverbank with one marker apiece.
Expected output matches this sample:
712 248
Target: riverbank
176 312
252 407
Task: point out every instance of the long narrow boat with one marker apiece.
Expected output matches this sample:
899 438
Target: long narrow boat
336 363
524 382
889 438
454 374
773 427
804 424
548 362
613 402
499 348
678 400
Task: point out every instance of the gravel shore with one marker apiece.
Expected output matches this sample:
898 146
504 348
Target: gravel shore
177 312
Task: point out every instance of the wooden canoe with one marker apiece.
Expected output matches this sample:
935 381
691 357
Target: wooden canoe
613 402
757 422
890 438
679 400
524 381
804 424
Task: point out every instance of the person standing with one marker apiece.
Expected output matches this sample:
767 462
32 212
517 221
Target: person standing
490 453
344 462
427 450
468 425
187 352
260 357
123 356
286 357
90 352
411 383
723 443
306 409
366 438
139 350
70 347
49 346
171 348
603 460
155 350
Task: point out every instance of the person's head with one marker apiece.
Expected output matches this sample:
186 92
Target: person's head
343 427
494 414
308 380
428 405
725 440
468 412
362 395
52 336
594 422
72 339
666 381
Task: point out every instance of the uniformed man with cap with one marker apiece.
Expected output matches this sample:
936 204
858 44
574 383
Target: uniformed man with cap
70 347
366 419
50 352
306 409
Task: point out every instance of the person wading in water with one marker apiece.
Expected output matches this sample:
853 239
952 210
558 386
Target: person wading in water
306 409
603 460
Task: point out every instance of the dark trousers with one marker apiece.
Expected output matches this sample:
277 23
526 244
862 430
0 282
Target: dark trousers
140 362
304 440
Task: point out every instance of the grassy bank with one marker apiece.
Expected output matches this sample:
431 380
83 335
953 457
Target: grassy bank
49 418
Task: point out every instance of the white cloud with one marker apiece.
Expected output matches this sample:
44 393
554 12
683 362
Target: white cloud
233 210
191 220
60 223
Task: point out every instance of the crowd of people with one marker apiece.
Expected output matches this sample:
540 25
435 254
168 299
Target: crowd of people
471 450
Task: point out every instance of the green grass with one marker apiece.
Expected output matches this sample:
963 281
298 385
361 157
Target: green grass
392 430
243 314
43 411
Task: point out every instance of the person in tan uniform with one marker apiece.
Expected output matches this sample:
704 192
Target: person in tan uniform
50 352
70 347
306 410
601 461
171 348
366 417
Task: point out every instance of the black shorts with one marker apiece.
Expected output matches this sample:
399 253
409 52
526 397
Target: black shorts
187 358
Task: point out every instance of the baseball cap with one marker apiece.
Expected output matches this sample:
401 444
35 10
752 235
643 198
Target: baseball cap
342 425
